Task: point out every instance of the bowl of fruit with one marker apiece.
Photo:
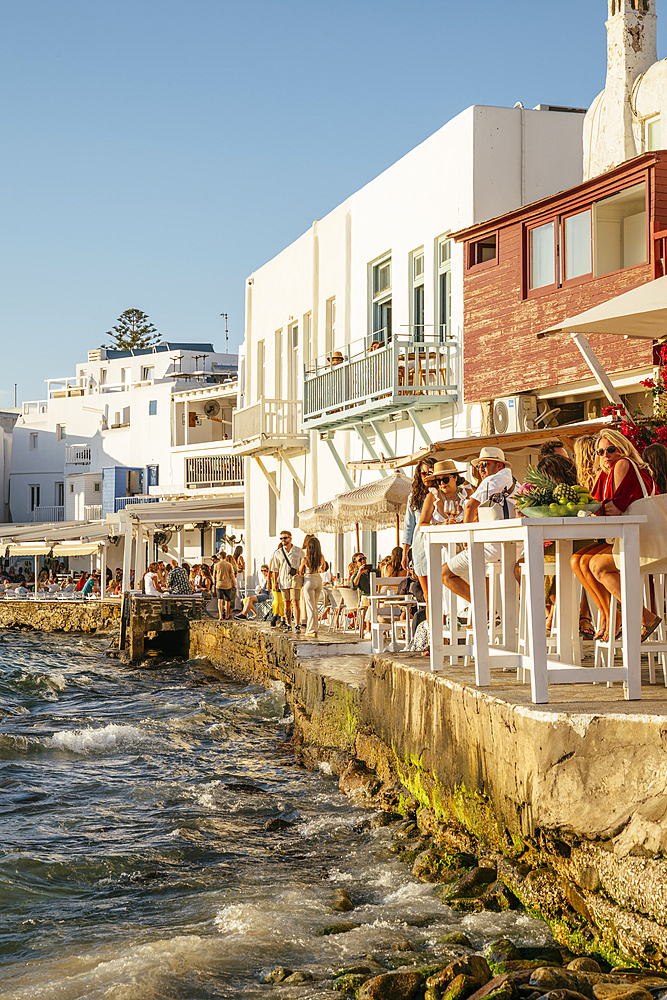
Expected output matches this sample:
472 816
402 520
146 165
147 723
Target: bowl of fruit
541 496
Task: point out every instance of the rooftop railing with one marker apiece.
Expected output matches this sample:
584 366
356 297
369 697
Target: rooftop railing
123 502
92 512
380 375
56 513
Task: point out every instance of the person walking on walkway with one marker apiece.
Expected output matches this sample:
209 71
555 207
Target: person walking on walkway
225 587
284 566
311 568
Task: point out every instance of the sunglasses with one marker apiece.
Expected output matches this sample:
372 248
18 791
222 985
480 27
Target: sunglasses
427 473
482 465
444 479
285 538
610 450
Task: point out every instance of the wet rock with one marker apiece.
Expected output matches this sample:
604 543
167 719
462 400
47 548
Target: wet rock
498 988
564 995
473 966
402 945
460 988
419 921
561 979
551 956
358 781
456 938
432 995
498 898
465 905
471 885
341 928
501 950
407 830
589 878
384 818
392 986
620 991
583 964
349 983
342 901
299 977
356 970
578 903
278 975
277 823
428 865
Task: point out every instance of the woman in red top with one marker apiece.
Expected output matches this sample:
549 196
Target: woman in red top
617 486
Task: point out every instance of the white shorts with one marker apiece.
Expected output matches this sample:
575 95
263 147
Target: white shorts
459 564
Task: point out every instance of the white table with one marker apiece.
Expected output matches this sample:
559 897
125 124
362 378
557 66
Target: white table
564 666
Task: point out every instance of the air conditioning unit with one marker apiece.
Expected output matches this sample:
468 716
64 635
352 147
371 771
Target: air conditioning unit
514 414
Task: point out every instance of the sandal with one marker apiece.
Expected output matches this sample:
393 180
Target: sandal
648 630
586 630
601 633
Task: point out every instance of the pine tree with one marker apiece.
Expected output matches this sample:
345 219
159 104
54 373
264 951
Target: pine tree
133 329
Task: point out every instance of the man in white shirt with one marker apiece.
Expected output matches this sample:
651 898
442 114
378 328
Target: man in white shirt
286 557
498 482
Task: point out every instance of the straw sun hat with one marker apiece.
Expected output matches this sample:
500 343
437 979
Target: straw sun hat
442 469
490 455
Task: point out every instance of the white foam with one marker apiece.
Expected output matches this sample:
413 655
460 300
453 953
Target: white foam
110 737
325 767
327 824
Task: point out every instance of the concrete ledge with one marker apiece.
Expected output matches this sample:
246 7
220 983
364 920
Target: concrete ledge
59 616
572 801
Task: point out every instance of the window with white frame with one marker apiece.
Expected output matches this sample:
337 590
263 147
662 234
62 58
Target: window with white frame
103 376
97 487
126 376
330 328
653 134
293 361
61 432
148 373
60 494
34 497
33 442
152 407
417 276
261 359
381 301
444 289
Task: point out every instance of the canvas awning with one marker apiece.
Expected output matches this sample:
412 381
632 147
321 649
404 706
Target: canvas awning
320 518
463 449
224 510
641 312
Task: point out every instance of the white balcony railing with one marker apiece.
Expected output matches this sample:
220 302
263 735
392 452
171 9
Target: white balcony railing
92 512
48 514
269 424
77 454
214 470
376 377
123 502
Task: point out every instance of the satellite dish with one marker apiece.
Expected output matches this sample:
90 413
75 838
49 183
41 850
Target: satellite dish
212 408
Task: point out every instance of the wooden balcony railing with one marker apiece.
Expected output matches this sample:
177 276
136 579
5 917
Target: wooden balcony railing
77 454
48 514
214 470
267 425
378 377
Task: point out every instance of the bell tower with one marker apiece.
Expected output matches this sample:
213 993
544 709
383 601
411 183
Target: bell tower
609 137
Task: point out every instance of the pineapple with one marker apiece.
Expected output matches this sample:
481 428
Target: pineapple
566 494
543 493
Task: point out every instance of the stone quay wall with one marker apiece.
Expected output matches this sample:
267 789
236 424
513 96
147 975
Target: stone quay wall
59 616
571 807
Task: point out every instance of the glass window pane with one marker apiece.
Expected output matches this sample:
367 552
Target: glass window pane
542 256
620 230
445 251
654 135
578 245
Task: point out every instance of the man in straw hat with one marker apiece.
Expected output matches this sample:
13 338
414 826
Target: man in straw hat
497 483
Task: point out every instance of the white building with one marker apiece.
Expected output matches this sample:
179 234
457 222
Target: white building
7 420
625 119
129 426
353 333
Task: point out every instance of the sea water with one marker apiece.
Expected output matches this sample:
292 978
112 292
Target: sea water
135 859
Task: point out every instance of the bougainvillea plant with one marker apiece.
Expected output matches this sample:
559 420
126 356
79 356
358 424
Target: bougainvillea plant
646 430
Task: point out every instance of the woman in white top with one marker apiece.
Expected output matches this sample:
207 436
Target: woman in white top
312 567
152 586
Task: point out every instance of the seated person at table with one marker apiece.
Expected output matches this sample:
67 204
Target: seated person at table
261 596
91 586
497 483
620 467
361 579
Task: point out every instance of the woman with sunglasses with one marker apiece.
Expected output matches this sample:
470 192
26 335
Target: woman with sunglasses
619 467
412 537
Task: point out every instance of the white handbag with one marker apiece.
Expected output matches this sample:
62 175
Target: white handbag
652 534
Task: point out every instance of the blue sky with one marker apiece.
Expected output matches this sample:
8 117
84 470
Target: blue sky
155 153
